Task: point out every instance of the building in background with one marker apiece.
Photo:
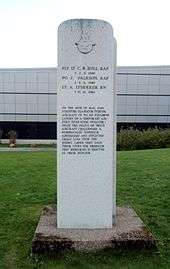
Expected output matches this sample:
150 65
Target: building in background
28 99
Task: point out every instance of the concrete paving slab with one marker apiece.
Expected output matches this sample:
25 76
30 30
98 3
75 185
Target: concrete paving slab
129 232
4 149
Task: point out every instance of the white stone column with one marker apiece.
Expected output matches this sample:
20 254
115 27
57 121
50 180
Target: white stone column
86 125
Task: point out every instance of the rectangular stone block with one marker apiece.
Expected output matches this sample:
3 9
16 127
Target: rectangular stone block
86 125
129 232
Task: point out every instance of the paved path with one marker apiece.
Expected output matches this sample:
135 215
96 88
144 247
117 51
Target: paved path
26 149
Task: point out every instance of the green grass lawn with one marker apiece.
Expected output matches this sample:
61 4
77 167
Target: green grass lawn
28 182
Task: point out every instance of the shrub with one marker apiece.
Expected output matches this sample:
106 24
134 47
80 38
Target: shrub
1 132
132 139
12 135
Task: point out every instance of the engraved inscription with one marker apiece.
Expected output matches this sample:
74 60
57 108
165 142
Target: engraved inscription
85 79
82 129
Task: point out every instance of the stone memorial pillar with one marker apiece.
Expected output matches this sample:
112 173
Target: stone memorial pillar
86 149
86 125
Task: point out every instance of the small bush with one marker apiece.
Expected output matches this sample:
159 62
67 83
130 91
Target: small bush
1 132
12 135
132 139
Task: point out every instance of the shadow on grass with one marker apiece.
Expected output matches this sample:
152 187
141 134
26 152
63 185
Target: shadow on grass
101 259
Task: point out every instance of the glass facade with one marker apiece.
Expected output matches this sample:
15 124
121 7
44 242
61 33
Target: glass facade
28 98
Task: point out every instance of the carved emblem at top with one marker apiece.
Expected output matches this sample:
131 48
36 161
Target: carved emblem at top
85 45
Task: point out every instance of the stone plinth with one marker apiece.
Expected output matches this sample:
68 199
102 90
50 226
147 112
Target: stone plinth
128 232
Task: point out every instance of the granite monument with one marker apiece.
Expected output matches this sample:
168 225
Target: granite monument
86 124
85 217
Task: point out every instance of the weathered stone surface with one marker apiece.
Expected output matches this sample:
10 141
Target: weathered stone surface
128 232
86 124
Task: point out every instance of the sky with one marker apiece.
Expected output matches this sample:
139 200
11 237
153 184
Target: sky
28 29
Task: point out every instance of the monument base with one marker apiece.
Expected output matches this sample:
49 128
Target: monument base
128 232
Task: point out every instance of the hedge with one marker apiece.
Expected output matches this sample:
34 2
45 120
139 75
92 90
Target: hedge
133 139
